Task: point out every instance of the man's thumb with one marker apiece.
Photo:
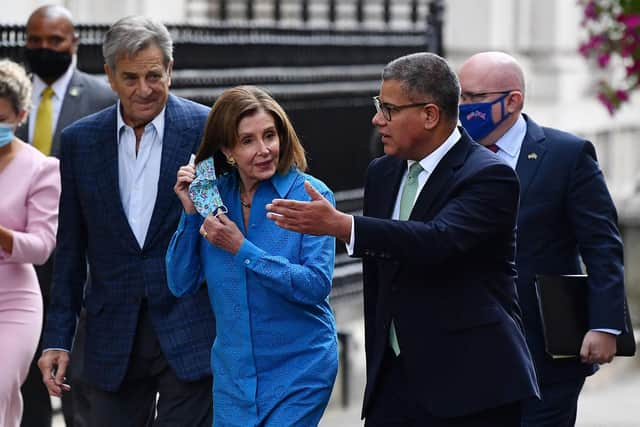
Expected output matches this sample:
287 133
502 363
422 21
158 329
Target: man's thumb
315 195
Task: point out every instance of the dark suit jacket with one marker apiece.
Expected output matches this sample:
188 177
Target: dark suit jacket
566 213
85 94
93 225
447 278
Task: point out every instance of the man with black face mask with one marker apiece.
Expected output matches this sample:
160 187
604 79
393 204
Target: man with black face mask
566 218
50 54
61 95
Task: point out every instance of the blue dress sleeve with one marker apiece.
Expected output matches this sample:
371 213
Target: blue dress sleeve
308 282
184 270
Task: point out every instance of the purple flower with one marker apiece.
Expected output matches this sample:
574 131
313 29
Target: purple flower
633 68
604 99
613 34
622 95
603 59
630 20
591 11
592 44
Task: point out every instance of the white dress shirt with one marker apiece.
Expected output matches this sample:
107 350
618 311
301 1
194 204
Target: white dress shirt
138 173
59 89
428 164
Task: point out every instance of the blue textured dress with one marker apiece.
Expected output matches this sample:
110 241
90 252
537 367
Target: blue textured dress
275 356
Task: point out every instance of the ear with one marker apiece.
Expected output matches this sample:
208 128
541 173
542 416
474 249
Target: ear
75 41
514 101
225 151
169 70
110 76
431 113
21 116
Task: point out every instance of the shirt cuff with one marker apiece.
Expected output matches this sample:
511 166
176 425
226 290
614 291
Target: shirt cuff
248 254
608 331
56 349
352 240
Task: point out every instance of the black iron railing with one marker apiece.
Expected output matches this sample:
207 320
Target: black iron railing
324 76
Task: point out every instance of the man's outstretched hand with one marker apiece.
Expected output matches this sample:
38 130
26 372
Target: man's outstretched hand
317 217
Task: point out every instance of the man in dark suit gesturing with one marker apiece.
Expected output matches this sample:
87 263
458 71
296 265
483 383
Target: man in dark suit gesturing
566 217
443 334
118 211
61 95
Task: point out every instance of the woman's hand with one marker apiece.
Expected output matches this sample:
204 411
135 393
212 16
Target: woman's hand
186 175
222 232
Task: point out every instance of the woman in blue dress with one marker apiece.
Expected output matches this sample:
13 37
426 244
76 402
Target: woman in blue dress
275 355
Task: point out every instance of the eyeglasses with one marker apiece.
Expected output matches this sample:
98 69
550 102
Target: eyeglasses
386 108
479 96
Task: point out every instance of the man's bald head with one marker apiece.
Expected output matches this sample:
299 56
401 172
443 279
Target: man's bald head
52 12
492 71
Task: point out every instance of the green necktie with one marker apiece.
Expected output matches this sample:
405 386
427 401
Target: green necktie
409 191
406 205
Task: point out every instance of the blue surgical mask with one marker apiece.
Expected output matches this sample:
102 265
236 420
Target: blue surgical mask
477 120
6 134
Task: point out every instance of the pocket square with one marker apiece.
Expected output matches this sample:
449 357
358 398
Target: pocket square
204 191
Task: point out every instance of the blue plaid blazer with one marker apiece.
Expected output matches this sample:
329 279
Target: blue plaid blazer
93 227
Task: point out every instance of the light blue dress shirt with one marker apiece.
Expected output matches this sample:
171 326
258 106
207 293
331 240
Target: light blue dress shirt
510 143
138 173
275 355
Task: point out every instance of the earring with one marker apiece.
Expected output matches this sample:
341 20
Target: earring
231 161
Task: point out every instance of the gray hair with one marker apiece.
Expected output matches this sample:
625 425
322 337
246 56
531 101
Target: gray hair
426 75
15 85
130 35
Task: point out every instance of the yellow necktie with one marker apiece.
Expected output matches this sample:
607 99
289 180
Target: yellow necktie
43 132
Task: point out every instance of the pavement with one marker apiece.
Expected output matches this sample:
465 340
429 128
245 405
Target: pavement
610 398
615 404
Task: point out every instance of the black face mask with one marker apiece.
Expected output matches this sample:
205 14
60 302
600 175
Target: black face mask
48 64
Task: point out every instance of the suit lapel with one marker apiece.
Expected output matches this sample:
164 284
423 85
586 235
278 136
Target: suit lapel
176 148
108 181
531 155
386 198
69 109
440 177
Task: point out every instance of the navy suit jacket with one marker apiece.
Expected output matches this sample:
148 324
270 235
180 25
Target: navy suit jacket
566 214
94 227
447 277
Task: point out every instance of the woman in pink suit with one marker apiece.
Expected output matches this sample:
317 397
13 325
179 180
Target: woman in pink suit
29 193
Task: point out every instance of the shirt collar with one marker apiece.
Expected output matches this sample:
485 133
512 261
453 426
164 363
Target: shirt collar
157 123
59 86
283 182
512 139
430 162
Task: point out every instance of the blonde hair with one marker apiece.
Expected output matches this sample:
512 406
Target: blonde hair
15 86
221 128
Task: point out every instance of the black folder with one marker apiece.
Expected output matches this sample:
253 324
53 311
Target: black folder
562 300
